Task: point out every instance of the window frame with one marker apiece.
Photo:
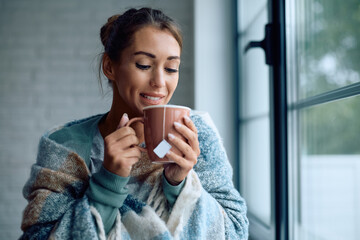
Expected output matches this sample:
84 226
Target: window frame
284 122
278 128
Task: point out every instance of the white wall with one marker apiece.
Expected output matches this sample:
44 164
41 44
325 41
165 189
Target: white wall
48 76
214 66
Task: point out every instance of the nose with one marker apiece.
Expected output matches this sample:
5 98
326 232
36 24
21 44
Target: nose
158 78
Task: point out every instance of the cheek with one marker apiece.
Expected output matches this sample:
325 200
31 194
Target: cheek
173 84
128 82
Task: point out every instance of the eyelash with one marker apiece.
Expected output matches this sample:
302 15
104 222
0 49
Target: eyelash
171 70
142 67
146 67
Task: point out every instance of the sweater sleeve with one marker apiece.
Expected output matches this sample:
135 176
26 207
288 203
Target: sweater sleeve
107 193
171 192
215 174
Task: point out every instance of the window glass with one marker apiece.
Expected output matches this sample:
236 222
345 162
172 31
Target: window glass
328 44
323 54
255 91
254 121
254 72
331 128
329 189
249 11
256 168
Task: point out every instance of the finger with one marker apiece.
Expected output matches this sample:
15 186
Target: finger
117 153
176 158
195 143
132 153
123 121
119 134
184 147
190 124
189 134
128 141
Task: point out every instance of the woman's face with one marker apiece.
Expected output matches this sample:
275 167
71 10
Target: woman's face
148 70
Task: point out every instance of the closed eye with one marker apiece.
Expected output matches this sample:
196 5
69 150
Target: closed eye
142 67
171 70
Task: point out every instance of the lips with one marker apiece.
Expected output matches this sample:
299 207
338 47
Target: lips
152 98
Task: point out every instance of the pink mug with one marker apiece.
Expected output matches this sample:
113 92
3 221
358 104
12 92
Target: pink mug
158 122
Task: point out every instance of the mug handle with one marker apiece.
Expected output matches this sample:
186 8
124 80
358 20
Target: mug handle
137 119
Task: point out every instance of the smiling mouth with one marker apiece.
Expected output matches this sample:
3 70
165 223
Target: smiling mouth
150 97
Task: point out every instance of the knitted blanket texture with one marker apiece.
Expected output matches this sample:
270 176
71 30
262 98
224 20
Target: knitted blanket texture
208 207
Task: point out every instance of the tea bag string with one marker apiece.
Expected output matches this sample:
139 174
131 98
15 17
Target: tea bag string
164 122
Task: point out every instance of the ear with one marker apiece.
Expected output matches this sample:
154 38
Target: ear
107 67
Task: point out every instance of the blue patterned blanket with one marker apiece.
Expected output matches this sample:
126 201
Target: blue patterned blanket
208 207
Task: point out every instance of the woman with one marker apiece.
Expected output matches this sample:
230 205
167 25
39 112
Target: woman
90 182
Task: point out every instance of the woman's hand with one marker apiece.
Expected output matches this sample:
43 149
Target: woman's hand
176 172
119 153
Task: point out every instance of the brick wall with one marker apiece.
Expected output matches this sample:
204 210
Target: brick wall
48 76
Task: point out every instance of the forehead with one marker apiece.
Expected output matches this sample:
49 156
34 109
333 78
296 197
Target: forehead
156 41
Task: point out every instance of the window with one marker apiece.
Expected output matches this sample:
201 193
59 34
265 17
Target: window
254 119
324 111
320 64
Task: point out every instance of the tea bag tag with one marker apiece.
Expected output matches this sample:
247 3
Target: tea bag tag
162 149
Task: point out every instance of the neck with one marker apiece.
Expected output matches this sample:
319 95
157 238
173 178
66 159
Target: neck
112 120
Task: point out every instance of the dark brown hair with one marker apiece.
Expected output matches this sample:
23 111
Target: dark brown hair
117 33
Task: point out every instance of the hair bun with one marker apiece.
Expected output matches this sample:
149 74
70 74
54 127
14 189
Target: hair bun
107 29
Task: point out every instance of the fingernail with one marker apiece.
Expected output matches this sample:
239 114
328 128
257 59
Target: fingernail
124 119
125 116
177 125
171 136
187 119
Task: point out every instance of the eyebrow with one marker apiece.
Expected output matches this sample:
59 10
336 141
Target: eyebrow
153 56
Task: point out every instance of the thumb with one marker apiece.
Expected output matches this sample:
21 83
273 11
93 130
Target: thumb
123 121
